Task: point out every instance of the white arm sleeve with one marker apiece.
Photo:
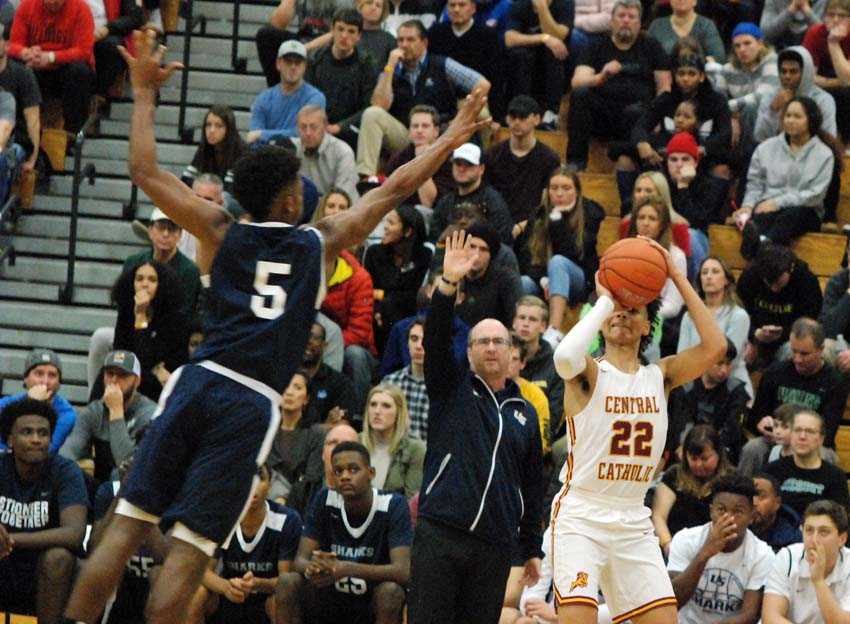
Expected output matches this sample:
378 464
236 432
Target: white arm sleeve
570 354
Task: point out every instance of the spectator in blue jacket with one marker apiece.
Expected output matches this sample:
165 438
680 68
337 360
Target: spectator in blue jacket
773 522
42 380
482 493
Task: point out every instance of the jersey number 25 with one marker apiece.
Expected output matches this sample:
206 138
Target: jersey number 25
270 302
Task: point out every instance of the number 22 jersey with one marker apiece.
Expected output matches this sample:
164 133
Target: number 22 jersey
266 283
616 441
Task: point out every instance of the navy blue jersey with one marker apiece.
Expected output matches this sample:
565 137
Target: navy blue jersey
386 527
276 540
127 605
266 283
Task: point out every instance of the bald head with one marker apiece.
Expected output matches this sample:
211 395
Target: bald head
489 352
342 432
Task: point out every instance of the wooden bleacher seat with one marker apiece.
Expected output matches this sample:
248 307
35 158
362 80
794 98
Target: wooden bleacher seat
609 233
822 252
601 188
842 445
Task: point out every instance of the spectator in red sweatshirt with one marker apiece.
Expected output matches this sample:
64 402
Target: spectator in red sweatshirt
56 39
350 302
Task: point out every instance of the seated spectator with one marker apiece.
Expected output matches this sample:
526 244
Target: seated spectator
350 302
803 476
295 458
715 285
835 317
44 514
20 81
220 147
397 353
520 167
719 569
835 26
529 390
401 11
344 575
684 21
42 381
274 111
749 75
652 219
374 39
776 289
470 187
291 20
681 499
785 22
424 130
592 23
412 76
536 39
325 159
796 79
151 323
114 23
782 447
299 498
110 426
788 179
773 522
715 398
607 101
397 457
472 43
330 393
334 201
398 266
488 290
805 378
210 187
837 41
345 74
411 381
809 581
55 38
556 247
241 587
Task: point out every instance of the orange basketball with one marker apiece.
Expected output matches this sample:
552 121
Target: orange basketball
634 271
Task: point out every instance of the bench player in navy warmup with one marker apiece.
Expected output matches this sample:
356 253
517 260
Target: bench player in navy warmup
194 472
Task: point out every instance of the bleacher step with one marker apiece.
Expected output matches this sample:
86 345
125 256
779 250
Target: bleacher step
49 293
87 273
59 318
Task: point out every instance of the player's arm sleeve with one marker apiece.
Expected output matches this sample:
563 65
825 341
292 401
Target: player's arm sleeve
441 370
572 351
289 537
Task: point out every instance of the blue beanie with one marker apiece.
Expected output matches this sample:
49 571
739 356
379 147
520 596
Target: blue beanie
748 28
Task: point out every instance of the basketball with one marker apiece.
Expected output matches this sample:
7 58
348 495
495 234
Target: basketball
634 271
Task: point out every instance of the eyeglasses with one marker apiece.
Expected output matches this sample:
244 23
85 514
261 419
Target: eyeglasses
484 342
808 432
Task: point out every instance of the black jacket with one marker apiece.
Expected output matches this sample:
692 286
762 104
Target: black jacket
347 84
835 314
483 469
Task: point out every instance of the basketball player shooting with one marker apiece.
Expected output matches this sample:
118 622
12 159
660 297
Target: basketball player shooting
616 411
194 472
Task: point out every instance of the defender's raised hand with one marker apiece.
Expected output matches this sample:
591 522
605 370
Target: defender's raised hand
466 122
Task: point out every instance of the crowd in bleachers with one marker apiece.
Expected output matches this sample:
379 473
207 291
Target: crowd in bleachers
730 112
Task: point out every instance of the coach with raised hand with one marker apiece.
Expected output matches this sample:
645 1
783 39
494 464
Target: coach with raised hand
482 492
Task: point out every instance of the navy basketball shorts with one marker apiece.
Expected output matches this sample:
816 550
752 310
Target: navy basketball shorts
197 464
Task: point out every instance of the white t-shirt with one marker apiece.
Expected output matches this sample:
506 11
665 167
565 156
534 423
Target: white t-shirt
790 578
720 591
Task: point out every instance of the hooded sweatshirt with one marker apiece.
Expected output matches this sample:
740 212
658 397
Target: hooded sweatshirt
781 26
743 87
767 123
788 178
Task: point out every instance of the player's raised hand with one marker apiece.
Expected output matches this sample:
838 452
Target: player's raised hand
467 122
602 291
145 64
460 256
671 268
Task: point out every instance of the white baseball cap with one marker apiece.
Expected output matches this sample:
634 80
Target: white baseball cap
293 46
469 152
158 215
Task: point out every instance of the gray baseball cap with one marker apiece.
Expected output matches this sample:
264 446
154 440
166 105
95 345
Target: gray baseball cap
125 360
42 356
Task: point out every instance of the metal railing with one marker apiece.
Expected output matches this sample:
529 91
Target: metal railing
66 290
187 135
238 63
8 220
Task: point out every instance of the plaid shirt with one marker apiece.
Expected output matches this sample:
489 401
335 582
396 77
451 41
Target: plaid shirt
417 400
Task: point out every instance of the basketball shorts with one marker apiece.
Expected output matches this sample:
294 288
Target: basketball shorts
197 464
597 545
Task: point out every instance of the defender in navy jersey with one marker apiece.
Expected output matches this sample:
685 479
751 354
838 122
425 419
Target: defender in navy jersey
194 471
354 557
241 586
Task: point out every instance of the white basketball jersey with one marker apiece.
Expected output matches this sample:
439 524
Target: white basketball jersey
616 441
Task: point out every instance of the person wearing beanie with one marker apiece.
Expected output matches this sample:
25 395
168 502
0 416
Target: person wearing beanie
42 381
714 130
787 180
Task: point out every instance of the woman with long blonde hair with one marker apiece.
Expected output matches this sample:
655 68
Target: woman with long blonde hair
397 458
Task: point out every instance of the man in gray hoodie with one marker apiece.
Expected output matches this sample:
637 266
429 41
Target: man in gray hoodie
796 77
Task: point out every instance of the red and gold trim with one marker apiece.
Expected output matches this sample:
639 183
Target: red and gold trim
649 606
575 600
